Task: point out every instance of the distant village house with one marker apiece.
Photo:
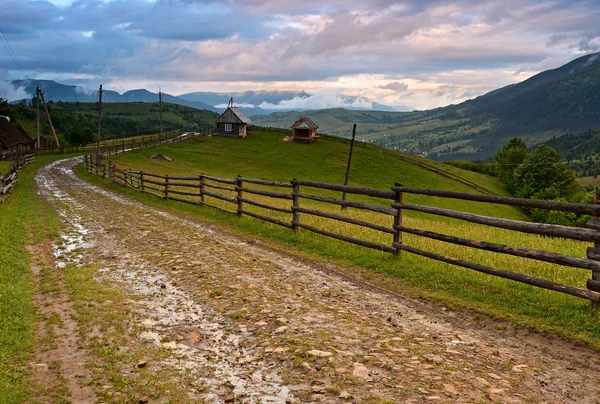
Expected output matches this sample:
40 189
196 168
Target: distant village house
304 130
13 138
233 122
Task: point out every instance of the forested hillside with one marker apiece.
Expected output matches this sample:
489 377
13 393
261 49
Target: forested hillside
77 123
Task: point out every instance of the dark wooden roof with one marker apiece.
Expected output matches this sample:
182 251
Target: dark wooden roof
233 115
12 135
304 123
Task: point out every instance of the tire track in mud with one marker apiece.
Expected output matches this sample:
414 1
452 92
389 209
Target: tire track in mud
250 324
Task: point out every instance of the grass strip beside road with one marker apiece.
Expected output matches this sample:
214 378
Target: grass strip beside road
24 218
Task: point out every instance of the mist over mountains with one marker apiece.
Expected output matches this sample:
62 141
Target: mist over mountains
261 102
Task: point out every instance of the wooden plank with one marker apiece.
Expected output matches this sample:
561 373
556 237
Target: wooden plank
369 244
350 204
582 208
267 219
171 191
345 219
221 180
153 182
264 182
261 205
530 280
505 249
219 196
232 189
154 175
378 193
266 193
185 178
554 230
184 184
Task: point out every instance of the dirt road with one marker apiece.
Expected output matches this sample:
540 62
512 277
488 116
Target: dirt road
224 319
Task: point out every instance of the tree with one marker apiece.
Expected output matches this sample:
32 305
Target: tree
508 159
543 175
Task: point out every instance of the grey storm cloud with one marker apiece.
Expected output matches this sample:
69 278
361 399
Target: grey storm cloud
288 40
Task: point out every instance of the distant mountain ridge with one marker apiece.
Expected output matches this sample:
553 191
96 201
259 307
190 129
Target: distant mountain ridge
260 102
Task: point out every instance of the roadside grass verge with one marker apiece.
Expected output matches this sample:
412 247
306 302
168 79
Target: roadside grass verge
420 277
24 218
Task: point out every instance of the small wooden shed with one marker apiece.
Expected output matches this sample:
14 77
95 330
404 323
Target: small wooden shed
304 130
233 122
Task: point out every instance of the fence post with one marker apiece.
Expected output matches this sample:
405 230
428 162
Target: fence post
142 180
593 253
295 206
122 146
166 186
202 183
240 207
103 171
398 220
111 171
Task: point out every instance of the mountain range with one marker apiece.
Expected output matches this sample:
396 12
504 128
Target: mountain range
253 102
550 104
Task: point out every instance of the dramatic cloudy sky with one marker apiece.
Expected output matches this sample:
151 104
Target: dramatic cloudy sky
423 54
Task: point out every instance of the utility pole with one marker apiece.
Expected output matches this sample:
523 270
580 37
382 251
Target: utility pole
99 125
49 119
37 104
160 102
349 163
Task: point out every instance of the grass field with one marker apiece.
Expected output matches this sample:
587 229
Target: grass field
589 181
24 218
265 156
4 166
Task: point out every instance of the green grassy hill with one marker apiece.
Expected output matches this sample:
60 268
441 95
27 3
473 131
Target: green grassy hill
265 155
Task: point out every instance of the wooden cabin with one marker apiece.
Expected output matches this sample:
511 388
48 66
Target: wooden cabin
304 130
13 138
233 122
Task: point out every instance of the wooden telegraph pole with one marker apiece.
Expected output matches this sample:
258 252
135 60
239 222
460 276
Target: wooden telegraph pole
49 119
160 107
37 104
349 163
99 125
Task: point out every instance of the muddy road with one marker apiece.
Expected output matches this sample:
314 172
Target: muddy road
225 319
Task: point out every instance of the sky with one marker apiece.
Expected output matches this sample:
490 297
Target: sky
420 54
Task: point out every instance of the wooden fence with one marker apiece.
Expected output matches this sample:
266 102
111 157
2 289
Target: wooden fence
8 181
199 189
114 146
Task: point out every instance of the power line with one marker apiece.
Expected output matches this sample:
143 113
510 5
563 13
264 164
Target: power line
12 53
7 72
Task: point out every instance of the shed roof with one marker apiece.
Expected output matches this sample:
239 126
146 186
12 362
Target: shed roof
233 115
11 135
304 122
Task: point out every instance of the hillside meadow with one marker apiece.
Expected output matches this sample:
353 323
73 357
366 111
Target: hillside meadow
264 155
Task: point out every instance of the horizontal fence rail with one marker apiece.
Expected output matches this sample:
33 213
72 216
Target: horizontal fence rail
9 180
238 192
